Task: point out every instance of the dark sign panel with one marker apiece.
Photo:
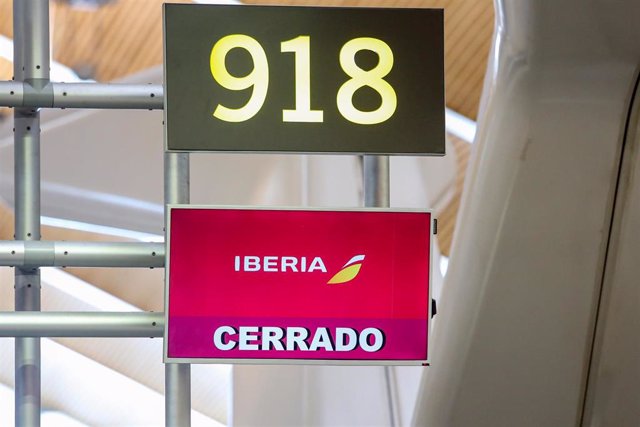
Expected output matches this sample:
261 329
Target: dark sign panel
299 79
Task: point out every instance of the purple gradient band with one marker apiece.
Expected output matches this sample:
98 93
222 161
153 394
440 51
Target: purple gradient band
192 338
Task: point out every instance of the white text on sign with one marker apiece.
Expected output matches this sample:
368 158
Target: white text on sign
294 338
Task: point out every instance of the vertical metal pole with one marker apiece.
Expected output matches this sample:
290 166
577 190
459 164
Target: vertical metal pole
377 194
376 181
31 65
177 380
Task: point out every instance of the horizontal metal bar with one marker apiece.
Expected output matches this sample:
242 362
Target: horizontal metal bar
81 324
82 95
20 253
11 94
112 95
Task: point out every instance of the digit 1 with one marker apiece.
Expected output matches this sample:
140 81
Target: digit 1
300 46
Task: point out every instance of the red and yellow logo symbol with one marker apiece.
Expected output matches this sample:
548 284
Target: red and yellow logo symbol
348 272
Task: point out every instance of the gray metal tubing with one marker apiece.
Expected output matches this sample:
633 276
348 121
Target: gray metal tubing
177 377
36 42
376 181
31 65
27 174
27 379
27 280
11 94
81 95
81 324
177 389
80 254
113 95
176 179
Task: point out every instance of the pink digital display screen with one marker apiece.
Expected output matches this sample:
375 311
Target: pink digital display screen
291 286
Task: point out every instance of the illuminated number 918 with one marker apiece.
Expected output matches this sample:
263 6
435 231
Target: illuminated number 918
371 78
300 46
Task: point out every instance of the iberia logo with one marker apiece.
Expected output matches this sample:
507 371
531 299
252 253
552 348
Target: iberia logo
292 264
348 272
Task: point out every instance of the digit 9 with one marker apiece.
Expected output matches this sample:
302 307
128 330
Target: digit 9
258 78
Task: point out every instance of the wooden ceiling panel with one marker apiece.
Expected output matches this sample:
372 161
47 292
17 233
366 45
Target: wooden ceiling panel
113 41
6 18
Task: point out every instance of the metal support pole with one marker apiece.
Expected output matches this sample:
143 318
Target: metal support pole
81 324
109 95
31 65
377 194
29 253
376 181
176 178
177 389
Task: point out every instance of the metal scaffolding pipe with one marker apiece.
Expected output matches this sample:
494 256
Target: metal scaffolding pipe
11 94
81 324
30 65
25 253
27 174
376 181
177 377
112 95
177 394
81 95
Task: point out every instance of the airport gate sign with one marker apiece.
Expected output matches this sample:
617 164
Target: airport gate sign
251 285
304 79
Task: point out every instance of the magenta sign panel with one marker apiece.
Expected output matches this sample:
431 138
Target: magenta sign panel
284 285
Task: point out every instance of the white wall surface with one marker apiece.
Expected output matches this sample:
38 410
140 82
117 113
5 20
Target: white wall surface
513 338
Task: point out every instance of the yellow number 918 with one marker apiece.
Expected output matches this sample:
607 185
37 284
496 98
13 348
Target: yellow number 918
258 78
